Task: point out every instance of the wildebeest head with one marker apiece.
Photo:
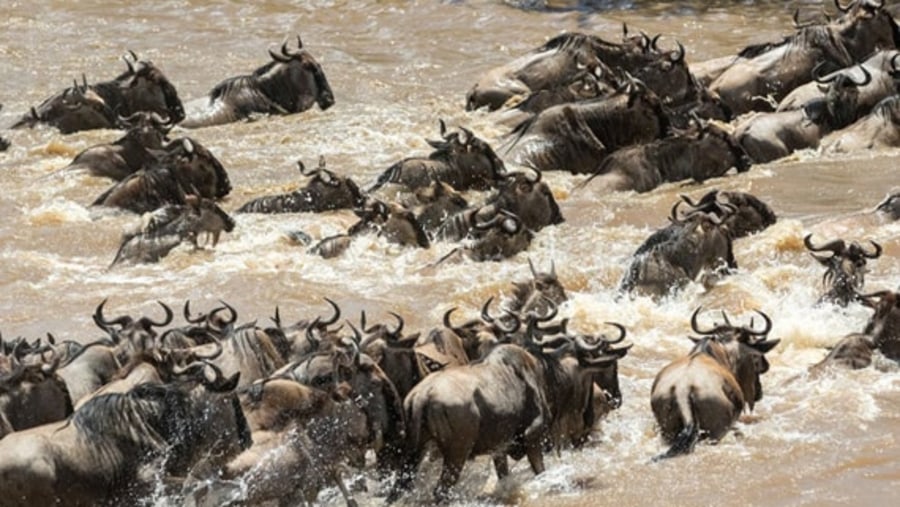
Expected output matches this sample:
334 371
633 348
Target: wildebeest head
745 347
392 221
890 206
339 190
845 268
666 73
467 153
841 98
750 215
145 88
196 168
528 198
607 378
539 294
500 237
131 336
294 79
884 325
74 109
865 25
148 130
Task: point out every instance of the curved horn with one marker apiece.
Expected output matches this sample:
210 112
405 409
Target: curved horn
818 75
696 326
621 329
104 324
280 58
836 246
677 55
187 313
837 3
231 311
469 135
485 314
766 328
217 351
302 167
867 76
166 320
337 313
447 323
653 42
129 64
673 215
875 254
396 332
725 318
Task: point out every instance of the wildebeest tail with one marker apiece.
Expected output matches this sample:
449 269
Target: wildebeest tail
686 439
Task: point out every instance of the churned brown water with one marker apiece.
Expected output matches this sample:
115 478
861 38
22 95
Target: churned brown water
396 67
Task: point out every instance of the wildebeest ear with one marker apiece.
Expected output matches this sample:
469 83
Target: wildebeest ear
695 339
438 145
766 345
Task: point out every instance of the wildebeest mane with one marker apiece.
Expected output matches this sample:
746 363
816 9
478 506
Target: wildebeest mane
569 40
145 420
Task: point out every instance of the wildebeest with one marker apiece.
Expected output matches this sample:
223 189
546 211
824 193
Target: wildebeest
883 67
291 83
878 129
703 151
884 325
31 393
747 215
172 225
765 73
538 294
853 351
770 136
141 88
128 154
890 206
301 439
560 61
704 393
460 159
391 221
576 137
845 268
111 448
510 402
552 65
500 237
324 191
524 195
186 167
674 256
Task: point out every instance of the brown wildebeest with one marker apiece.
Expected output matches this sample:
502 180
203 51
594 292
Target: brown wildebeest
703 393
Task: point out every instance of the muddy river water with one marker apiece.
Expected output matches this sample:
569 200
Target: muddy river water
396 67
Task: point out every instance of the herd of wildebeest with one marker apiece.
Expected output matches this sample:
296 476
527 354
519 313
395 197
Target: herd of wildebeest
231 412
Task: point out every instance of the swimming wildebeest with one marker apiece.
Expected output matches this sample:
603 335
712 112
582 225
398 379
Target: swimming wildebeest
291 83
141 88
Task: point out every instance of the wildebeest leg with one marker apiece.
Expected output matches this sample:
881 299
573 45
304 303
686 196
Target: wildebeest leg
535 458
405 476
454 453
348 497
501 466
